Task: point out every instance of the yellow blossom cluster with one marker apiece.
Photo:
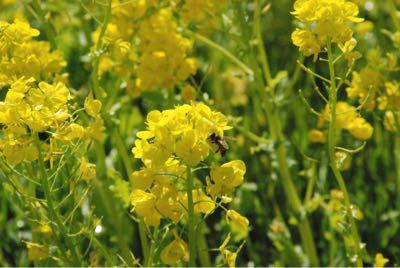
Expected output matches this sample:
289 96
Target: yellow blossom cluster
163 52
21 55
175 142
32 107
323 21
142 39
347 118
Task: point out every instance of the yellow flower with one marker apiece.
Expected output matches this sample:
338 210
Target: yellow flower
188 93
145 205
317 136
365 27
329 21
239 223
202 202
307 43
191 149
92 106
361 129
175 251
23 56
224 179
348 118
380 260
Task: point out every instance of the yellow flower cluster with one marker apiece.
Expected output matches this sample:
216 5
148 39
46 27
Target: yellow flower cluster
324 21
31 107
347 118
174 142
162 50
23 56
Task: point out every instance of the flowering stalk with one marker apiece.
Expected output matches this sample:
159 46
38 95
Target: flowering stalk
331 151
278 138
191 219
118 139
54 216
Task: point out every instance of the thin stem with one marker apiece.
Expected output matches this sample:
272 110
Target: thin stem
191 219
202 250
96 61
332 159
393 14
222 50
48 29
117 137
54 216
280 150
397 161
97 244
150 258
261 45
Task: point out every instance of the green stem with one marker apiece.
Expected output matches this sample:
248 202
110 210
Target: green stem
202 250
96 242
123 153
48 29
278 138
54 216
332 159
260 43
118 139
191 219
96 57
393 14
150 258
397 161
222 50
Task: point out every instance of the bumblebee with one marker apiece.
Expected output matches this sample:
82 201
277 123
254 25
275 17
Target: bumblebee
220 142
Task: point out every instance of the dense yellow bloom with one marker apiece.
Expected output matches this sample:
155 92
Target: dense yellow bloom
173 144
323 20
23 56
162 49
183 132
164 52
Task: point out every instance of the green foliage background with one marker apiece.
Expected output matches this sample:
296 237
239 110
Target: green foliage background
373 180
